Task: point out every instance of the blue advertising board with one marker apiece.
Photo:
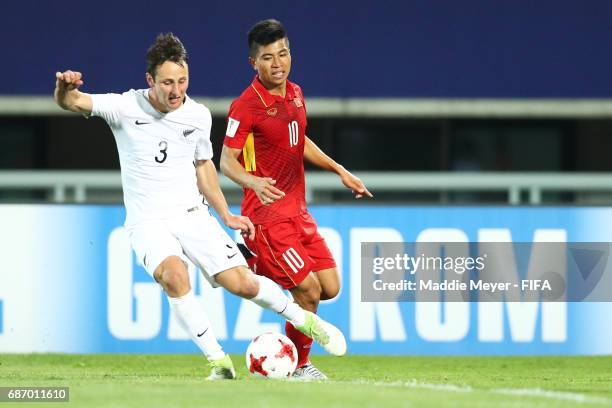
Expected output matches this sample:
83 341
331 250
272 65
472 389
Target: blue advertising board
71 284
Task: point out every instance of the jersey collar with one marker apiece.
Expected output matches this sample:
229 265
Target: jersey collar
266 97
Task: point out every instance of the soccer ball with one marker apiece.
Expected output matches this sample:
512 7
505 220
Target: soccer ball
271 355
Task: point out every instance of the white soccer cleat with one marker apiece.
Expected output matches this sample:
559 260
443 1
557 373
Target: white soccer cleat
308 372
325 334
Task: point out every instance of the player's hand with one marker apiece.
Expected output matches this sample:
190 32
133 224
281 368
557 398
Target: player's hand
355 184
68 80
242 223
265 190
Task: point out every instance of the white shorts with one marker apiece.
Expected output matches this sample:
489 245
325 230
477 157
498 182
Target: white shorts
195 236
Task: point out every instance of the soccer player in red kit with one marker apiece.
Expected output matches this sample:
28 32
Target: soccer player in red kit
264 151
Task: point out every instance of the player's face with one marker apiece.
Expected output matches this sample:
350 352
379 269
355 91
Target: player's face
169 86
273 63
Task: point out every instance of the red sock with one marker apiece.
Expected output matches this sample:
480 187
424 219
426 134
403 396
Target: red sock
302 343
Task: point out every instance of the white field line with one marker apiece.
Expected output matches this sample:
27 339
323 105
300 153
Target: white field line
560 395
522 392
411 384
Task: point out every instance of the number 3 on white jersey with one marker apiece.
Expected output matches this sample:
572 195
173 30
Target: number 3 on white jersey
293 133
293 259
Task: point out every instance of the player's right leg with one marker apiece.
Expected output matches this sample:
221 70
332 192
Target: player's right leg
307 294
218 257
287 252
329 279
162 256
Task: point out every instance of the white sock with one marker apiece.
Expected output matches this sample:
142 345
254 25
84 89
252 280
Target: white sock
193 319
271 296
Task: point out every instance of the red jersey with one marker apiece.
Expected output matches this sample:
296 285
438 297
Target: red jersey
270 131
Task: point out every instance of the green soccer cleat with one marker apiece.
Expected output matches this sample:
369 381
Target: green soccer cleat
327 335
222 369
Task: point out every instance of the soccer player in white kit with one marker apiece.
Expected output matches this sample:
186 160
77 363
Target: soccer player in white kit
163 139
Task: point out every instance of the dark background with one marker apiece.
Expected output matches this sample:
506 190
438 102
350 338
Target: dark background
346 48
447 49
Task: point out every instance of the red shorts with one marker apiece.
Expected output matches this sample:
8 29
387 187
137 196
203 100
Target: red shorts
288 250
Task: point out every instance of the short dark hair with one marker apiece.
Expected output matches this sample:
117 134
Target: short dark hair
167 47
265 32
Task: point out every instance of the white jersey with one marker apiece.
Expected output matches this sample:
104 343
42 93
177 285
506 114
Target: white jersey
157 152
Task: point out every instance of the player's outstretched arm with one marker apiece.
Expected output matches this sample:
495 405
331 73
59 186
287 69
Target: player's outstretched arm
316 156
67 94
208 183
263 186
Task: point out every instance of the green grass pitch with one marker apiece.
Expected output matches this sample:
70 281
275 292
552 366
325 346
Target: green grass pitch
355 381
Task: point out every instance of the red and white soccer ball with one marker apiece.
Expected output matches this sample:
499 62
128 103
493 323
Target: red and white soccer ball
271 355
